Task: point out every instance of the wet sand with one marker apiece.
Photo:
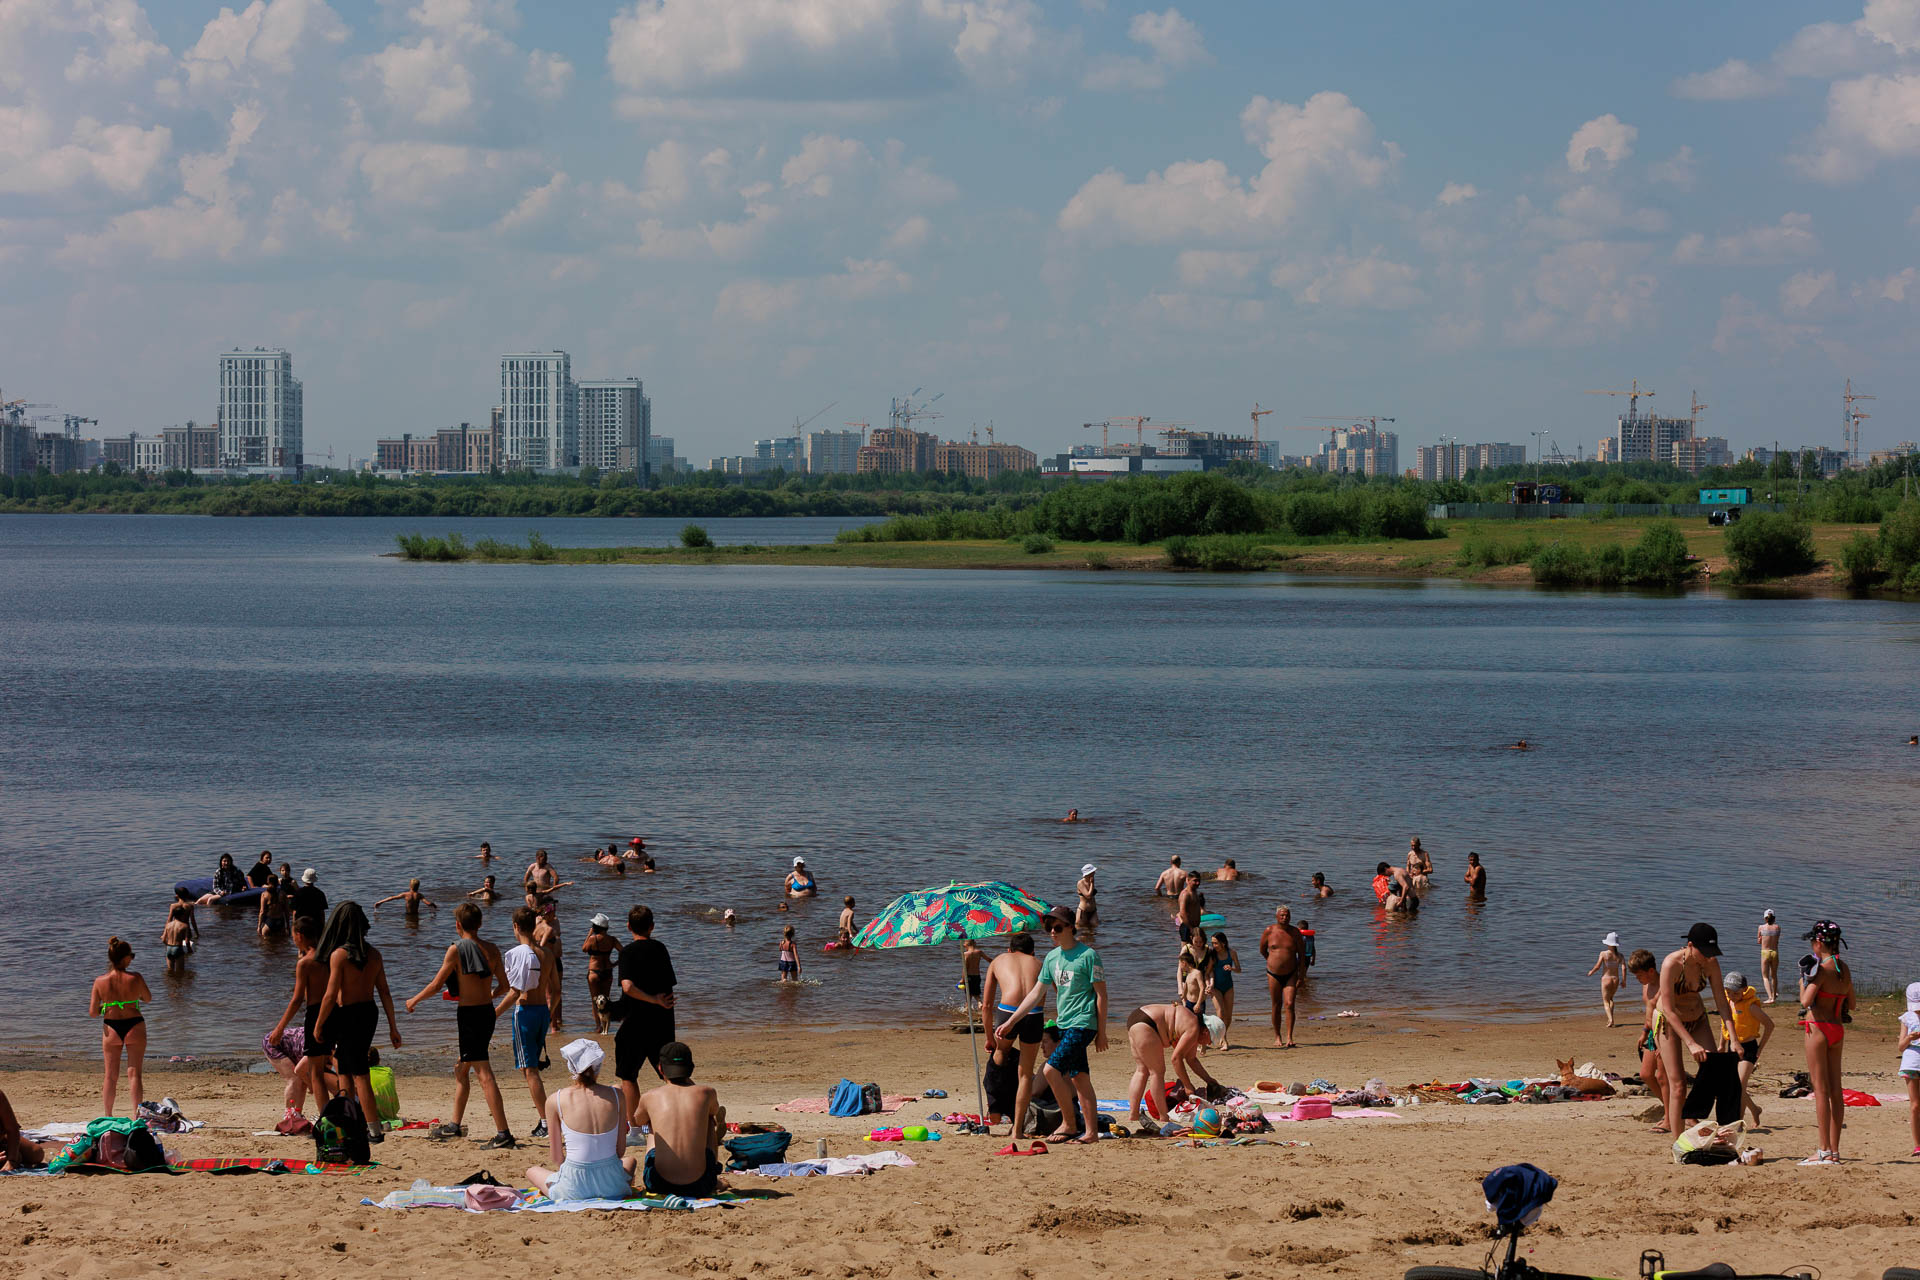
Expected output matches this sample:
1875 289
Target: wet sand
1366 1198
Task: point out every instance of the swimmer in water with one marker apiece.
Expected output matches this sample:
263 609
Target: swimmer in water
1914 741
1073 815
1320 887
486 852
414 899
728 918
607 858
1476 878
1227 871
1522 745
486 892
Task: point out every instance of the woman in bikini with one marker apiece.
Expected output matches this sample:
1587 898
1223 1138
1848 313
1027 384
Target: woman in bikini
1768 936
1826 1003
1681 1024
1226 963
1610 967
272 920
1152 1030
601 950
116 998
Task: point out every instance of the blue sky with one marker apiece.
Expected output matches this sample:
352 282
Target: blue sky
1460 216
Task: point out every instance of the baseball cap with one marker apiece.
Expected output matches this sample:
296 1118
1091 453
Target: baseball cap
309 876
1088 870
799 862
1705 938
676 1061
1734 981
1768 914
1913 997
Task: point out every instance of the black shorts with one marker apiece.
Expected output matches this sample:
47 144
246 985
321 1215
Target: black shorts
351 1028
315 1046
1186 932
1029 1029
476 1031
699 1189
640 1039
973 985
1749 1051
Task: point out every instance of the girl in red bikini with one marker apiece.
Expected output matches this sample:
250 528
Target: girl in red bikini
1826 1002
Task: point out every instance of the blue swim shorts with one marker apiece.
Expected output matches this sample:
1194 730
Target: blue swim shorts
1070 1057
530 1022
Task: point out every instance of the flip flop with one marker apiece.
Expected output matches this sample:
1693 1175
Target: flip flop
1038 1149
1011 1149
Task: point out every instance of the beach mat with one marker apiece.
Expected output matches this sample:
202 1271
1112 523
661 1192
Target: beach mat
235 1164
889 1103
532 1202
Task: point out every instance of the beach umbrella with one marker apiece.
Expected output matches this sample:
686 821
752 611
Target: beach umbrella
929 917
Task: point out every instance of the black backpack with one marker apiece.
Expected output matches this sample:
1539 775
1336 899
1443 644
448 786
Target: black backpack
871 1103
340 1134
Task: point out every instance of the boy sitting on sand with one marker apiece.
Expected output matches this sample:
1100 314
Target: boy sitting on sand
683 1155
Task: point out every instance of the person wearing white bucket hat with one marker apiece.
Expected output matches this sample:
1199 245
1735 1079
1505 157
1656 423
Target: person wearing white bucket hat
1909 1047
1612 968
587 1134
1086 917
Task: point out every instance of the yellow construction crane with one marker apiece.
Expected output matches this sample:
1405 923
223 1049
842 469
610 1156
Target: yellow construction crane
1633 397
1258 413
1698 408
1850 425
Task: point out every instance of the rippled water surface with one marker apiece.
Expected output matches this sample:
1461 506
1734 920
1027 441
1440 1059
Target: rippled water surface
178 687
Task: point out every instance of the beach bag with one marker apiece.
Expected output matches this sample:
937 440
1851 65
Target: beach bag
386 1098
1709 1143
751 1150
133 1149
1313 1109
340 1134
844 1099
871 1103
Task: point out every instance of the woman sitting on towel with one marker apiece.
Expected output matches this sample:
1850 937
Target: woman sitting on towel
587 1130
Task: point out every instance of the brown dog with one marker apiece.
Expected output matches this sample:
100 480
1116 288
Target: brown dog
1581 1084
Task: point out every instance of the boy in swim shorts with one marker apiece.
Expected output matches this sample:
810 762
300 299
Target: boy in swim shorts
1079 981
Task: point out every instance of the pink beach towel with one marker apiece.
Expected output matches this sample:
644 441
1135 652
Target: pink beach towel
889 1103
1346 1113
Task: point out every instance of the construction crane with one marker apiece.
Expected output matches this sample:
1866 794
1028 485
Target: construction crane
1850 423
1103 424
1372 421
903 412
864 427
1258 413
799 424
1633 398
1698 408
74 422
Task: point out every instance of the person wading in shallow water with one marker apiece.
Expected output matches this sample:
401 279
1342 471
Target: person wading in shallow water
1285 953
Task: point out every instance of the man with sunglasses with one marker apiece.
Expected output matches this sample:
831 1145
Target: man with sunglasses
1079 985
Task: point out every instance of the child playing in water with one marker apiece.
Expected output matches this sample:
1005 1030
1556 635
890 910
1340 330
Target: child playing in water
789 956
486 892
177 937
1909 1047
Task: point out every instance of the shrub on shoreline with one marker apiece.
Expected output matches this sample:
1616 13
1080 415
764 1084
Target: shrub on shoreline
1768 544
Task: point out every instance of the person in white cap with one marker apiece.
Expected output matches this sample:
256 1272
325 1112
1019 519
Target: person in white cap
1909 1047
800 882
1611 967
1769 939
308 899
601 952
586 1134
1086 916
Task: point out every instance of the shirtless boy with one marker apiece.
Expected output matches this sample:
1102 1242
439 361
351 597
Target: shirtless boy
482 980
1009 978
1284 952
683 1155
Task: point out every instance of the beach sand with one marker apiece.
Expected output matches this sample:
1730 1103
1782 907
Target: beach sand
1366 1198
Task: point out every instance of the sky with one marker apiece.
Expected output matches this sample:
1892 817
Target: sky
1459 216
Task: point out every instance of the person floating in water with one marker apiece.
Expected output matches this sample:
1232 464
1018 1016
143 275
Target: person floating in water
1227 871
1522 745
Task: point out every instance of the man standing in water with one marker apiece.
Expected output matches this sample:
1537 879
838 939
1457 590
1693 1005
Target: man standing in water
1189 907
1476 879
1079 984
1285 954
1170 881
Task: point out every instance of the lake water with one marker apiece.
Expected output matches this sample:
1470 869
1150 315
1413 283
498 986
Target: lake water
180 687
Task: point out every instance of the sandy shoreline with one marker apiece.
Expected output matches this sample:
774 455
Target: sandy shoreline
1366 1198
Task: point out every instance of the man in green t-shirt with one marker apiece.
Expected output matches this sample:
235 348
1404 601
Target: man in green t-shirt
1079 985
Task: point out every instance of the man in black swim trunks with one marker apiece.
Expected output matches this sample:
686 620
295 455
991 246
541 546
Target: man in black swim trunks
481 979
1009 977
1285 953
646 1006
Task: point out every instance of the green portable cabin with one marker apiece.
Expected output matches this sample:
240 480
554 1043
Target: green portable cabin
1725 497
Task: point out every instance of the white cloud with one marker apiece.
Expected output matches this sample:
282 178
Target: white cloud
1731 81
822 158
1805 288
1215 268
1370 283
1893 22
760 302
1790 238
1323 148
1604 134
1174 42
433 175
1827 49
427 81
1677 170
910 235
260 41
1457 193
121 158
819 51
1584 292
548 75
1743 325
1869 119
1893 288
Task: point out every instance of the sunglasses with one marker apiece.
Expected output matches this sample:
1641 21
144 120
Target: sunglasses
1058 928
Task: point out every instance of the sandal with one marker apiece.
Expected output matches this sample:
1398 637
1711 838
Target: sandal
1011 1149
1037 1149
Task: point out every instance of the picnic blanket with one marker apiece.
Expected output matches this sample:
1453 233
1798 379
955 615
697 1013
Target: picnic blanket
234 1164
836 1166
424 1196
889 1103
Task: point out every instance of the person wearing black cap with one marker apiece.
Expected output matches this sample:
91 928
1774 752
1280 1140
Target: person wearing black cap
1681 1023
683 1154
1826 1003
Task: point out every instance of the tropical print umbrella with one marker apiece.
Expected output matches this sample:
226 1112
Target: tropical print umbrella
928 917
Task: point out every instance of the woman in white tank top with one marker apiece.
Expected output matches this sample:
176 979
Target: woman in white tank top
588 1135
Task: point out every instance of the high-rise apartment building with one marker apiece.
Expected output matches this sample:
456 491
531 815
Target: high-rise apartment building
262 411
616 424
464 448
660 457
896 450
1440 462
1651 439
833 453
540 411
982 461
1697 453
1364 451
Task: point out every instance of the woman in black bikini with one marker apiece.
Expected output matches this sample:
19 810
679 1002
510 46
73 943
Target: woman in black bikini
273 910
116 998
1681 1022
347 1017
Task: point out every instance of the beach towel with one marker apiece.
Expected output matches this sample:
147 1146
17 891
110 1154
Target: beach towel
233 1164
1855 1098
1345 1113
816 1106
837 1166
424 1196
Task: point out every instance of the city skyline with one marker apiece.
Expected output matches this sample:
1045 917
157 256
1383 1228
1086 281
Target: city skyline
1054 212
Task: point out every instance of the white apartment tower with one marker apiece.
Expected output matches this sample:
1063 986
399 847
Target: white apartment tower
262 413
616 426
540 408
834 452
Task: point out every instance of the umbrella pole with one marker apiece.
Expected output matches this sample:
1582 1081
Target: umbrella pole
979 1087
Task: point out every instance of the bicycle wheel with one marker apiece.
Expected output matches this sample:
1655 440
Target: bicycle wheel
1446 1273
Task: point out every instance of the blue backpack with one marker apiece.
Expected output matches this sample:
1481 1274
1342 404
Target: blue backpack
845 1099
751 1150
